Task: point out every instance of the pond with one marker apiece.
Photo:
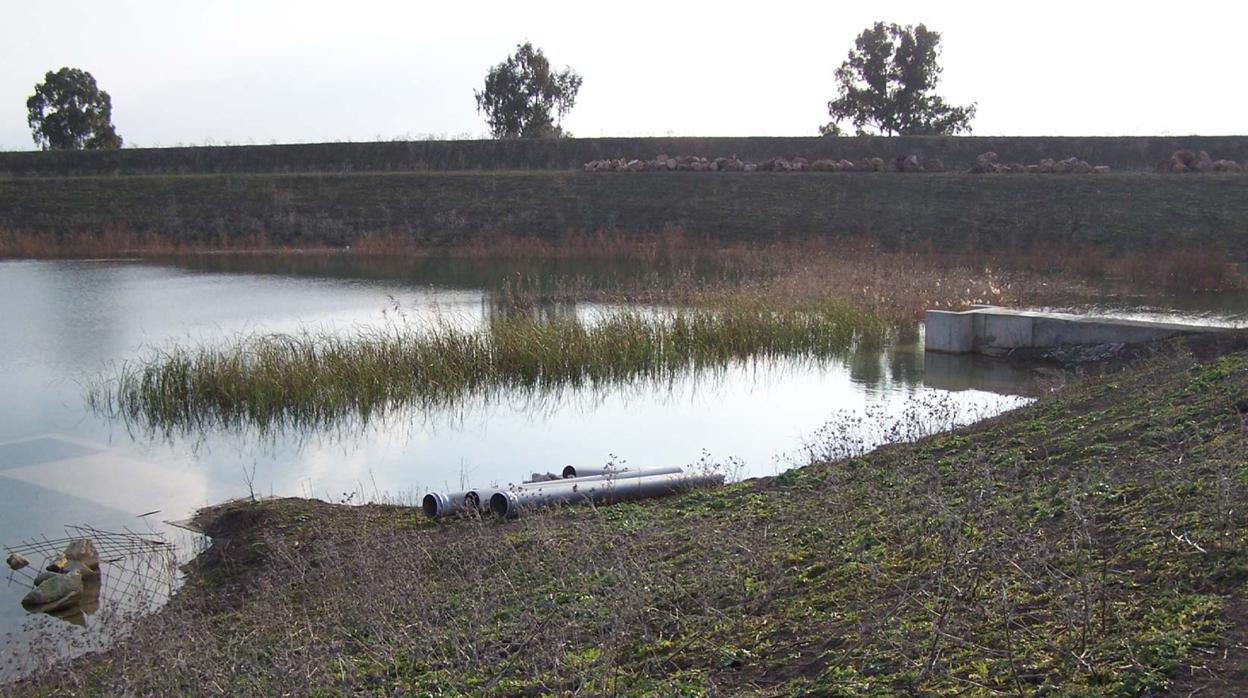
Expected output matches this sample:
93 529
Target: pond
66 323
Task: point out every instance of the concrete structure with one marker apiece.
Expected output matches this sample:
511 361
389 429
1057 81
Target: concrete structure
995 331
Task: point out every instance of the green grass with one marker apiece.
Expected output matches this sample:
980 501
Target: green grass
315 380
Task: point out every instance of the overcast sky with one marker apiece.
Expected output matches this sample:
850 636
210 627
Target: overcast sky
263 72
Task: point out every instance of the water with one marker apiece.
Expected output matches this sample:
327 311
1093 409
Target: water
67 322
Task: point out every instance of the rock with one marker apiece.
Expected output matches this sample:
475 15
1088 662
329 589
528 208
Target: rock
16 561
1180 161
670 164
909 163
1016 168
878 165
54 593
1047 165
1204 163
985 162
1100 169
1226 166
846 165
749 167
933 165
1033 169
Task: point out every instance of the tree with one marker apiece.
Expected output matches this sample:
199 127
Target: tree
68 111
524 99
887 84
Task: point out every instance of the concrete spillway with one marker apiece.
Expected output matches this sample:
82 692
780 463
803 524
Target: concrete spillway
990 330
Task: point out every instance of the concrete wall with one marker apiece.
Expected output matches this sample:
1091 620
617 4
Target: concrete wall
997 330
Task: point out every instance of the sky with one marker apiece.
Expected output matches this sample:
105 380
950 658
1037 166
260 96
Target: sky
258 72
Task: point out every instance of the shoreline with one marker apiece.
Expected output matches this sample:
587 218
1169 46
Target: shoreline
1091 541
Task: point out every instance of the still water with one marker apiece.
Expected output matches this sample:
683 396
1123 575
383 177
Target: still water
65 323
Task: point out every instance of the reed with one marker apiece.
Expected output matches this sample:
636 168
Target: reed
313 380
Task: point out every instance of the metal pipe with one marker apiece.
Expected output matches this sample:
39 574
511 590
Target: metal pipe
438 504
481 497
609 473
510 503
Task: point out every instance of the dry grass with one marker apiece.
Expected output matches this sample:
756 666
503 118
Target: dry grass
1088 545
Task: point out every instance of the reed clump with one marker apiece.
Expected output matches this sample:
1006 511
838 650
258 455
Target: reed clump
316 380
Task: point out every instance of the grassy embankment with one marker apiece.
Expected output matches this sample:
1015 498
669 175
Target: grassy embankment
958 152
1093 543
1008 215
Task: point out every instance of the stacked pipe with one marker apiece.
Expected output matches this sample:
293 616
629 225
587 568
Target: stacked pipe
599 485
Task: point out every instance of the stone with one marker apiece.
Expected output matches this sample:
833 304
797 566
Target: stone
1047 165
985 162
16 561
1226 166
1100 169
749 167
934 165
54 593
878 165
909 163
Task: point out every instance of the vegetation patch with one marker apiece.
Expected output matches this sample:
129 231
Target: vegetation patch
315 380
1054 550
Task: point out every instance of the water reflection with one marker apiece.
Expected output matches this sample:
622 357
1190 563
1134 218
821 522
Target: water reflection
66 322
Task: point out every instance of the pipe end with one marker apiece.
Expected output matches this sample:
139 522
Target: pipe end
434 504
569 471
503 505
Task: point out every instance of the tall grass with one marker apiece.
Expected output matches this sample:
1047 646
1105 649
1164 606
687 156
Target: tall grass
314 380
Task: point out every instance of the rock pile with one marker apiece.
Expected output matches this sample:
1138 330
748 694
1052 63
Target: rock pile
989 162
62 584
1183 161
694 163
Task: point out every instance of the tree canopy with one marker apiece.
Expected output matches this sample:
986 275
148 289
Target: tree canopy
523 98
68 111
887 85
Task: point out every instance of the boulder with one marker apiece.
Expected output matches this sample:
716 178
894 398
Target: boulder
846 165
1047 166
54 593
985 162
1033 169
16 561
909 163
933 165
878 165
1100 169
1226 166
1016 168
1204 163
1184 157
749 167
